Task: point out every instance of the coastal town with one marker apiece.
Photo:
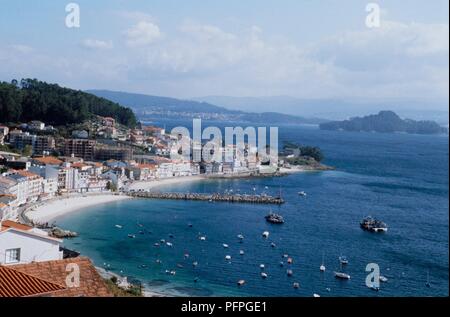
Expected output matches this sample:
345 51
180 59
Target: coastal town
43 172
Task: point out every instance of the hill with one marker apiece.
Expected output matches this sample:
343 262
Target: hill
31 99
147 106
385 121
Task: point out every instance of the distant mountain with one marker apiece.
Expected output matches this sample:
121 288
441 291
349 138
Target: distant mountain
147 106
335 109
385 121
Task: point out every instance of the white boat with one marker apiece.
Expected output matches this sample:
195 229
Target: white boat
169 244
266 234
316 295
241 252
264 275
195 263
226 246
240 237
228 257
262 266
383 279
302 193
296 285
273 245
322 266
342 275
132 236
118 226
202 238
241 282
290 272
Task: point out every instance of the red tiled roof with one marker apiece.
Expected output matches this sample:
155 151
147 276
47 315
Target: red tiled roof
14 283
49 160
91 283
5 225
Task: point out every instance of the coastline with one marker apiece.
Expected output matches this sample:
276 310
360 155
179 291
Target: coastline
48 211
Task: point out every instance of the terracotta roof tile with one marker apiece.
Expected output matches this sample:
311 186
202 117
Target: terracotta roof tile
91 283
48 160
14 283
5 225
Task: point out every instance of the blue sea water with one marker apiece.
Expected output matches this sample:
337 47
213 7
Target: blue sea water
401 179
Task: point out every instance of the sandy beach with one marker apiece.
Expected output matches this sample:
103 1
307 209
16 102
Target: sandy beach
147 185
48 211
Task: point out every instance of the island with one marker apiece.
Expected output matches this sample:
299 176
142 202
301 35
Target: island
385 122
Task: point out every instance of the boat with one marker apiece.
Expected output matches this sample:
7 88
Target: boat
342 275
281 264
274 218
296 285
226 246
194 264
383 279
316 295
302 193
240 237
373 225
290 261
241 252
180 266
156 244
202 238
118 226
131 236
322 266
290 272
228 257
266 234
241 282
273 245
262 266
343 260
186 255
169 244
264 275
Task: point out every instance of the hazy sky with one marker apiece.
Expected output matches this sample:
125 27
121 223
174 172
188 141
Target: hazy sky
189 48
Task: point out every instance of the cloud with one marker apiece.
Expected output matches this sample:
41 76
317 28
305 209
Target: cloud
96 44
143 33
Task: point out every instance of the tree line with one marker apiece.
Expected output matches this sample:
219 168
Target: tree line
31 99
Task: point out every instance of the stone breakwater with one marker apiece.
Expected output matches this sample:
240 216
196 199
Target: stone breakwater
250 199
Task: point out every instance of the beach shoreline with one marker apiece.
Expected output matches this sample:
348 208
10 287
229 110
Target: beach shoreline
50 210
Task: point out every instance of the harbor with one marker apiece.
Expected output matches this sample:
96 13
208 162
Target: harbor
215 197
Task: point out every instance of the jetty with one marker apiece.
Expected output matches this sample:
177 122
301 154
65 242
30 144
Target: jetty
216 197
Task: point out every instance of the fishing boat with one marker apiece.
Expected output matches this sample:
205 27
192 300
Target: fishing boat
264 275
228 257
266 234
169 244
373 225
274 218
202 238
241 282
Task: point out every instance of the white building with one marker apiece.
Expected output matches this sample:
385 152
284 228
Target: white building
21 244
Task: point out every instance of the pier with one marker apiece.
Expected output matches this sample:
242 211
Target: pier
228 198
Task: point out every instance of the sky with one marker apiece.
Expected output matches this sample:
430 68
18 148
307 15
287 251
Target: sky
191 48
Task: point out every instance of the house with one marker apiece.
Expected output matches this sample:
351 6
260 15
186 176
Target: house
53 279
24 244
36 125
4 130
8 206
34 184
109 122
80 134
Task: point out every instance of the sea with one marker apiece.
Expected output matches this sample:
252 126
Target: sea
401 179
